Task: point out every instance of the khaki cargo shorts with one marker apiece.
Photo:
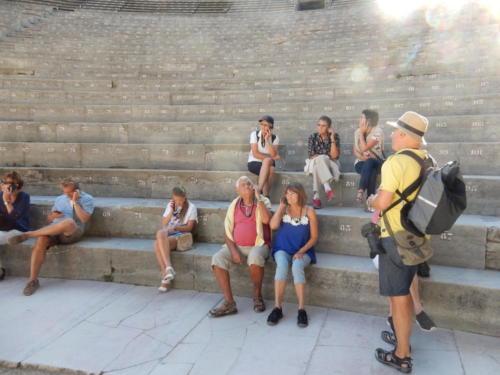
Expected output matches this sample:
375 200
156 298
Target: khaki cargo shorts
255 255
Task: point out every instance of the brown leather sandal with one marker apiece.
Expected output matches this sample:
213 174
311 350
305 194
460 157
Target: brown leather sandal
258 304
225 309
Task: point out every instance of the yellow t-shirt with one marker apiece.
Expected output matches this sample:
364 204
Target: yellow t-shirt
398 172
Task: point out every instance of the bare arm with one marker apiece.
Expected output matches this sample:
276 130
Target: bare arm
366 146
235 254
313 227
83 215
256 153
334 151
165 220
265 213
278 215
382 200
358 155
186 228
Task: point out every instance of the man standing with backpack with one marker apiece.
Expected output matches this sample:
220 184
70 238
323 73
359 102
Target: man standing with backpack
397 268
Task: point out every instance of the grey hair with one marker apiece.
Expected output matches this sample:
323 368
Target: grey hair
242 178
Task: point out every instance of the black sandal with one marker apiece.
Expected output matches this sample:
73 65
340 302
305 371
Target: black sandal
391 359
389 338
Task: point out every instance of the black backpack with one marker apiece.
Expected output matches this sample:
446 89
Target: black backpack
440 200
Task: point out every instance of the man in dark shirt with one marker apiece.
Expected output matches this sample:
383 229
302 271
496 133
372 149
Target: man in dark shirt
324 151
14 209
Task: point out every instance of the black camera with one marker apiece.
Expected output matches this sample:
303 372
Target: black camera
371 232
12 188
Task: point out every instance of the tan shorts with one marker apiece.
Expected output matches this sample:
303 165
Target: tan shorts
255 255
66 240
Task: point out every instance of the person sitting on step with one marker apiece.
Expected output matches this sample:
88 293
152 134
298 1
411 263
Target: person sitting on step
323 163
178 221
293 243
67 219
247 233
263 154
369 151
14 210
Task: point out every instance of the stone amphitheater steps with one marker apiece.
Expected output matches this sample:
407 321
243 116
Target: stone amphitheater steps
482 191
405 85
248 96
431 106
465 128
463 246
182 71
457 298
475 158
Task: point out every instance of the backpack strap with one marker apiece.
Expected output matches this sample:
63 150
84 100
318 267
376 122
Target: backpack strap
273 137
403 196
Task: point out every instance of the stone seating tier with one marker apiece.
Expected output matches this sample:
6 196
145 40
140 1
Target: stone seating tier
157 183
173 100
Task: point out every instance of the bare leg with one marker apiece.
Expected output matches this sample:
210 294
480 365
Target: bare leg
299 289
415 296
270 181
38 256
159 257
257 276
165 244
279 291
402 311
66 227
223 280
264 174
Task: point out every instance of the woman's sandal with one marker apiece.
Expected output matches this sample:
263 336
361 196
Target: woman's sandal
258 304
360 197
392 360
167 280
225 309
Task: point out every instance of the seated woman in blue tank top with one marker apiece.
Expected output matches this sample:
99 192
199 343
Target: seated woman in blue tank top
297 233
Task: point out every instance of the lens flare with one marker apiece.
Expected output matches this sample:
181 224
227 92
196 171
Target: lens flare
359 73
399 8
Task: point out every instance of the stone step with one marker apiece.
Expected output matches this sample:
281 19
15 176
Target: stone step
465 245
387 85
429 106
335 42
249 96
475 158
482 191
456 298
474 128
291 31
347 69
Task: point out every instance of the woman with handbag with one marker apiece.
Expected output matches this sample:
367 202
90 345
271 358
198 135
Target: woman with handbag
178 221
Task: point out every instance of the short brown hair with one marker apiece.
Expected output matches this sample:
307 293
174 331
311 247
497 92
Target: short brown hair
70 181
297 187
15 177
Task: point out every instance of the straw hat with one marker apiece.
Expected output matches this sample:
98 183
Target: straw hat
413 124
